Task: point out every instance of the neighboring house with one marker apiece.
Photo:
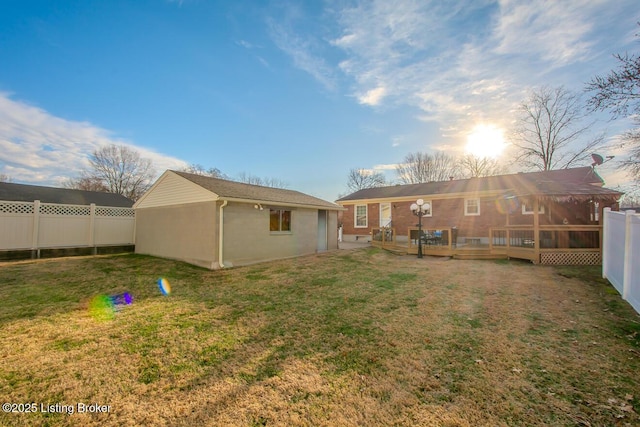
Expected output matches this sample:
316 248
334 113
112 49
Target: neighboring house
215 223
28 193
470 210
62 221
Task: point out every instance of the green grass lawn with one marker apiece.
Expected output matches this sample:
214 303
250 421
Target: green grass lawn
348 338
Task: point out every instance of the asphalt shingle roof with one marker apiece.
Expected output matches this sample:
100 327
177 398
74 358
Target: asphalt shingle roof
577 182
238 190
28 193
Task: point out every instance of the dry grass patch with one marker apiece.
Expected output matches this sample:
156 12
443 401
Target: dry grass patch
351 338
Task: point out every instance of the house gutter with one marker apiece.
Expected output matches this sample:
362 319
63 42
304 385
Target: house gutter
221 234
286 204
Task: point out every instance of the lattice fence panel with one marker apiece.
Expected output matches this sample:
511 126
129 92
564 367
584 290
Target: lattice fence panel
70 210
16 207
571 258
114 212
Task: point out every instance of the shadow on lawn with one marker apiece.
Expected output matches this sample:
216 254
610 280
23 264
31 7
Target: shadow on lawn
55 286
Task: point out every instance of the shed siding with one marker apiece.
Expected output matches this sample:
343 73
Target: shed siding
247 238
183 232
172 189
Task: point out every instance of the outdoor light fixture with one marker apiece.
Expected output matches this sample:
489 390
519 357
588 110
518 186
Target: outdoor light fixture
258 206
420 209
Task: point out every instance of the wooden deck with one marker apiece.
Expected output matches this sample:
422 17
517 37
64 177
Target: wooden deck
559 245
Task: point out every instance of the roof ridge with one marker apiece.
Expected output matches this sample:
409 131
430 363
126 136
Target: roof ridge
576 176
233 181
228 189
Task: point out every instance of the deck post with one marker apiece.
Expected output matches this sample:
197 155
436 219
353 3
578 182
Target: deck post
536 230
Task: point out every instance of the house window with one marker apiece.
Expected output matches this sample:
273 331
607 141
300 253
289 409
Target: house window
279 220
429 210
528 209
471 207
361 216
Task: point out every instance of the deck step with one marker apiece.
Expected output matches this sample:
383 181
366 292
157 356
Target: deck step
396 250
466 253
478 255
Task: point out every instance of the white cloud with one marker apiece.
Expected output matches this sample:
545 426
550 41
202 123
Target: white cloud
300 49
385 167
554 31
470 62
39 148
373 96
245 44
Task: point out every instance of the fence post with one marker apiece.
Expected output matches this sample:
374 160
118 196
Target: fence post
605 241
35 250
92 225
626 281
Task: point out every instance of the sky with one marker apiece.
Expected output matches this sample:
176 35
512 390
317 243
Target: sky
301 91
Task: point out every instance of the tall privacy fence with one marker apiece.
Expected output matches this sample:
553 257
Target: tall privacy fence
34 226
620 248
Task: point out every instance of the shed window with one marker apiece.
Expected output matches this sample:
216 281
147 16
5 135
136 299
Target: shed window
361 216
472 207
279 220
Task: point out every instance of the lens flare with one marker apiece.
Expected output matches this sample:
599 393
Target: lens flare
507 204
101 308
164 285
104 307
122 299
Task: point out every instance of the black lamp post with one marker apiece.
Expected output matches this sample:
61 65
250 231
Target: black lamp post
420 209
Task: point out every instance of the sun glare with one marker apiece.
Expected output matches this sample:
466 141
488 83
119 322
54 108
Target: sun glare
485 141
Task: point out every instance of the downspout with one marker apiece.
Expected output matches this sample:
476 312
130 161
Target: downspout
221 234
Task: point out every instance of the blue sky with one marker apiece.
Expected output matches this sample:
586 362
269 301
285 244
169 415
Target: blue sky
299 91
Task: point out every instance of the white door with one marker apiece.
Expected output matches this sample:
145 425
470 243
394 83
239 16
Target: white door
322 231
385 214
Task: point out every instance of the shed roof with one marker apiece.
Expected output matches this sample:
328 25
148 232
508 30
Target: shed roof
28 193
555 184
226 189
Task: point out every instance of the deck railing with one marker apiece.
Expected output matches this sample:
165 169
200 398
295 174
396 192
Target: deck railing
383 236
550 243
434 240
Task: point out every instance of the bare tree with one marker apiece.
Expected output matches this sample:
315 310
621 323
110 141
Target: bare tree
423 167
85 182
552 132
200 170
5 178
265 182
119 169
630 200
619 92
631 140
360 179
472 166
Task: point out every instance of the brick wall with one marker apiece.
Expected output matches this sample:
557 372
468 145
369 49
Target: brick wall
446 213
450 213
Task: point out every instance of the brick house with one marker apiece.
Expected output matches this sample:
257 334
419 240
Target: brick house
472 208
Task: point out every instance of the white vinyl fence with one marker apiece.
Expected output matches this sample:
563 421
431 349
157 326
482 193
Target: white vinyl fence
620 248
35 225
